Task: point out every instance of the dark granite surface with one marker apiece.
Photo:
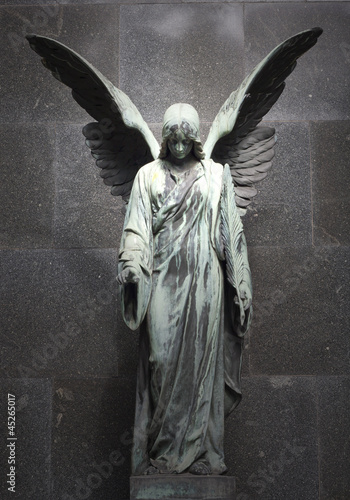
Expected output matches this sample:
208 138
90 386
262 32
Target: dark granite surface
192 53
318 87
91 31
301 319
59 313
86 215
280 214
271 439
60 231
92 423
32 448
27 189
330 152
334 422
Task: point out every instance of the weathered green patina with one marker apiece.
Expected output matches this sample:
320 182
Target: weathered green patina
183 261
172 243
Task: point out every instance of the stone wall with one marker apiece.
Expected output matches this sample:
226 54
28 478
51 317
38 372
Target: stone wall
65 353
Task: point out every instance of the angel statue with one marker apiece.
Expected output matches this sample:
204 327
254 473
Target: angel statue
183 266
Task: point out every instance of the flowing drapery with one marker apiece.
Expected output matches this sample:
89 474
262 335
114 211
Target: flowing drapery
189 350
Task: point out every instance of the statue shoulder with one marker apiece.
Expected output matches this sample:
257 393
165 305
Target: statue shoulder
214 168
149 169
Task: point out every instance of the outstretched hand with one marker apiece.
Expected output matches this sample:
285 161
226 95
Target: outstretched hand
128 275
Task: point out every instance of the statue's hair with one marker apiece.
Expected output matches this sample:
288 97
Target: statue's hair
182 117
187 130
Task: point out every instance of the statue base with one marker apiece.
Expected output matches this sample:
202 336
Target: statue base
182 487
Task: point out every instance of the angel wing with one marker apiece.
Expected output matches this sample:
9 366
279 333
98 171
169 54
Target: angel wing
120 141
234 137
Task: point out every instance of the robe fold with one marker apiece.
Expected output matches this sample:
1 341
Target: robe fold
190 340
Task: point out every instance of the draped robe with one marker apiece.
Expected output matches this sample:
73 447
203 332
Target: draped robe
190 344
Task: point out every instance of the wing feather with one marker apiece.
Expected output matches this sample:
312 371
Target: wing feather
234 137
120 140
231 231
249 161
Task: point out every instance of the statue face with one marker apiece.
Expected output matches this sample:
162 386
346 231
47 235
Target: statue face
179 145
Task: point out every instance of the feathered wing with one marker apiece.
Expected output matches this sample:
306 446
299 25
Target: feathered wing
120 141
231 231
234 137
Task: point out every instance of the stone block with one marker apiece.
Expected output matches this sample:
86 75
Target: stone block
334 423
318 87
331 180
92 438
92 31
32 446
59 313
301 317
27 188
182 487
271 439
86 214
280 214
189 53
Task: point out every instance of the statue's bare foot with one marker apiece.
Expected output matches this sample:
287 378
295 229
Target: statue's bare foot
151 470
200 468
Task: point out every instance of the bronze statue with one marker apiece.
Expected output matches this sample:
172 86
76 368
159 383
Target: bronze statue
183 263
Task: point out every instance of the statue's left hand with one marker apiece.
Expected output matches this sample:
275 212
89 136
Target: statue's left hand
246 297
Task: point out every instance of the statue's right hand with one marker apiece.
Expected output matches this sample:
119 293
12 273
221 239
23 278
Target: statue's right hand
128 275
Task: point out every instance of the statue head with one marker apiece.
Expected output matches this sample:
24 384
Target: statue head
185 118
